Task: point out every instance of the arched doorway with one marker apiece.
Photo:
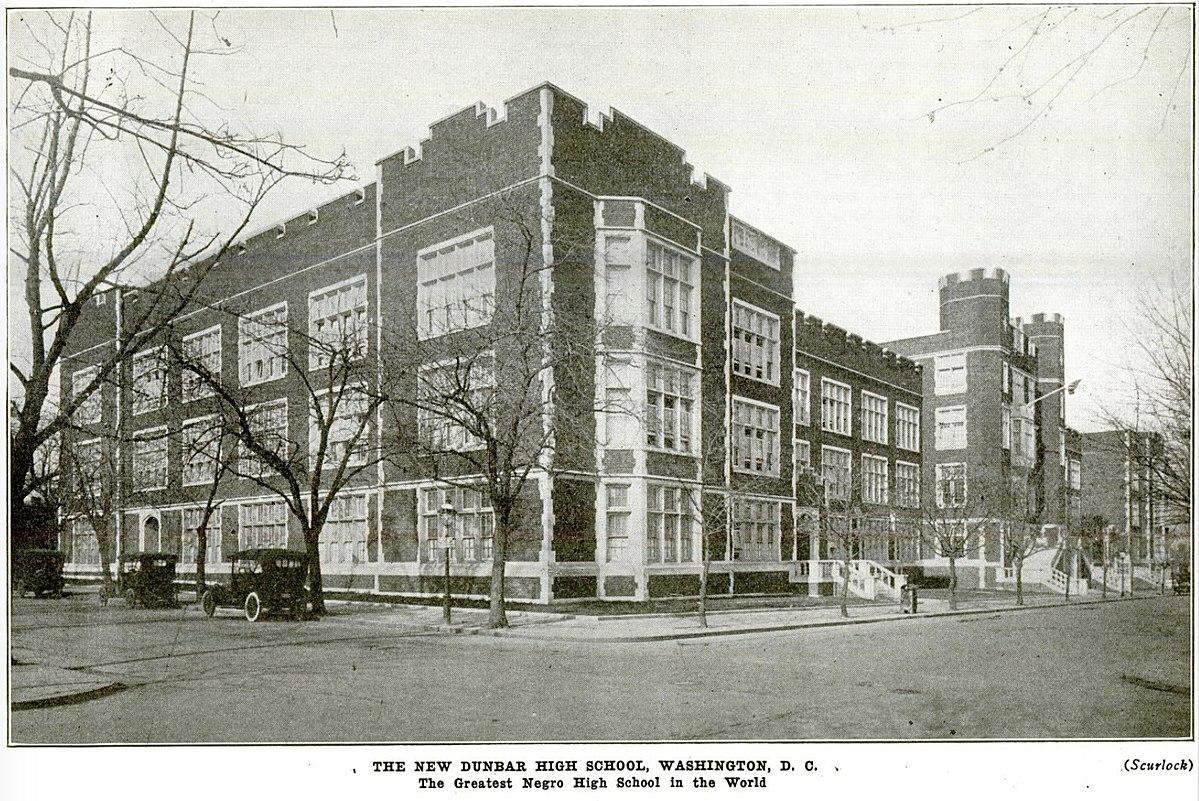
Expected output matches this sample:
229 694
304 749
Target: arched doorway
150 539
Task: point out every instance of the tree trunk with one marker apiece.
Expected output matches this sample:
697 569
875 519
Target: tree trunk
953 583
103 544
497 617
316 590
703 589
844 588
1019 582
201 557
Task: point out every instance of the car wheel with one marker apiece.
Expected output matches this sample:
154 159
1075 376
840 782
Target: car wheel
253 607
130 598
208 602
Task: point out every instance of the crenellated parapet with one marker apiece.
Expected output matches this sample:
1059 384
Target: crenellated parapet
979 274
835 344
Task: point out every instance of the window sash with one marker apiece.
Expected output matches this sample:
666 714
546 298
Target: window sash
262 345
755 343
755 438
836 407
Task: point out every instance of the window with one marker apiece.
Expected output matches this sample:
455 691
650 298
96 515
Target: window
454 394
803 397
755 530
755 343
89 409
85 546
668 288
456 284
803 454
874 479
201 450
262 345
836 406
951 485
618 522
874 418
622 428
752 243
343 538
348 430
1061 435
755 437
620 295
907 427
191 536
203 350
951 374
1075 474
150 459
907 485
668 524
148 382
951 428
1005 413
669 405
337 326
1007 378
471 527
262 525
837 471
268 425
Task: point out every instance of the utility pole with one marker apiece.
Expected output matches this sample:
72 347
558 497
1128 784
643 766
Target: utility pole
447 523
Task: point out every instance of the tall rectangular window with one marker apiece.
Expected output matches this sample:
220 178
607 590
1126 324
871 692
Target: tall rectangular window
951 428
622 424
262 345
951 485
836 406
150 459
148 381
874 417
1007 378
1005 421
337 328
470 529
453 396
803 397
89 409
620 295
907 427
1075 474
907 485
201 449
874 479
345 417
756 526
618 515
343 538
85 546
950 378
268 424
456 284
669 406
668 524
203 351
191 537
755 343
262 525
836 468
803 454
669 288
88 465
755 437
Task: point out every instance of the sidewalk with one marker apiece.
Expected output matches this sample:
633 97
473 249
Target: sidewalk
36 686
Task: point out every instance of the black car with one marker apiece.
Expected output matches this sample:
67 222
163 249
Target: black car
38 571
146 578
264 580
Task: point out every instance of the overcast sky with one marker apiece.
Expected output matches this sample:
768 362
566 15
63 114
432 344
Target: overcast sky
840 131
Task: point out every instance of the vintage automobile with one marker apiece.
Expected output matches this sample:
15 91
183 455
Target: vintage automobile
146 578
38 571
263 581
1180 578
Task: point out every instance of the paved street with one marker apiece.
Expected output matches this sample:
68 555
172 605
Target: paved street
1047 673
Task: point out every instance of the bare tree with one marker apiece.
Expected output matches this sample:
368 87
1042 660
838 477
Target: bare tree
90 467
952 522
124 141
1096 536
209 454
484 381
338 373
1019 513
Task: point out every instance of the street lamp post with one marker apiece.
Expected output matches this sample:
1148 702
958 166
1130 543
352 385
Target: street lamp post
447 527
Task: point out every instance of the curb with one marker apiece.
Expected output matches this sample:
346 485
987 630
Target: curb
704 633
69 698
1149 684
